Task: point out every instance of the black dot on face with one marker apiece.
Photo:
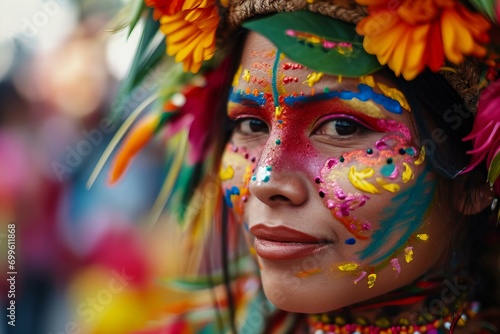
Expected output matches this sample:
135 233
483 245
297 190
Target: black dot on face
389 161
341 159
317 180
402 151
369 151
321 194
253 159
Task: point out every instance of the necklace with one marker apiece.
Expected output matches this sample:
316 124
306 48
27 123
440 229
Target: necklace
328 324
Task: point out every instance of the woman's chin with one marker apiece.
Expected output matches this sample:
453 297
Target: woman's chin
311 295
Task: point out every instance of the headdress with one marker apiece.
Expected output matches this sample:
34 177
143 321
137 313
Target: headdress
460 40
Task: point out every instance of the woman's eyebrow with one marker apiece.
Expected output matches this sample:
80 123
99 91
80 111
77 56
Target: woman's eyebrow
365 93
248 99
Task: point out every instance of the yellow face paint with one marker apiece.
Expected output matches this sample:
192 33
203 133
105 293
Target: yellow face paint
227 173
408 254
358 179
348 266
407 174
392 187
367 80
394 94
371 280
236 78
421 157
368 108
423 237
246 75
313 78
278 111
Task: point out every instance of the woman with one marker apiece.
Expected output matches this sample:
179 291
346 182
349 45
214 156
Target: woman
349 179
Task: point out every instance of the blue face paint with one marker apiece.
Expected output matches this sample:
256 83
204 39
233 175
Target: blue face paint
249 100
350 241
275 79
227 197
365 93
405 216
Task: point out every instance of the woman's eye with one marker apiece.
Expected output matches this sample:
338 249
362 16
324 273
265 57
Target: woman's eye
339 128
249 126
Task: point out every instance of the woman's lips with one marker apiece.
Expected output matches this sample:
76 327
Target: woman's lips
284 243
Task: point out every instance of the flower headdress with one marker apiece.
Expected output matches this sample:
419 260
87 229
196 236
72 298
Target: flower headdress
454 38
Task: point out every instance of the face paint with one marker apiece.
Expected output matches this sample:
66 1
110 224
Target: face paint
371 183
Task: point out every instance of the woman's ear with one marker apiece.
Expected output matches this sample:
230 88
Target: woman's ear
476 199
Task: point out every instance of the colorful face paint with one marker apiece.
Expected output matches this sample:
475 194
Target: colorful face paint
341 165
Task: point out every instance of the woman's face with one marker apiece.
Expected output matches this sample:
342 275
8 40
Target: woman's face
326 177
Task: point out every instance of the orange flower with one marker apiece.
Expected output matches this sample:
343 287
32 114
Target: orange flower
164 7
191 33
416 33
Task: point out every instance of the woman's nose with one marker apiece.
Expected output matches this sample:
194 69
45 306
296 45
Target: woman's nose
279 187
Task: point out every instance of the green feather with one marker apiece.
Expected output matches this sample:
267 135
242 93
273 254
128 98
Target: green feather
486 7
494 169
334 60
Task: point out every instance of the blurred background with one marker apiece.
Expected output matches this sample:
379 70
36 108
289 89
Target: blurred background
82 263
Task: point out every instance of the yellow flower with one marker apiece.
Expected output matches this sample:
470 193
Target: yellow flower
414 34
191 33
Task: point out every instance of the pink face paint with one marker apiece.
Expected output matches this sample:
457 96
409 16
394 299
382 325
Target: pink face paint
395 266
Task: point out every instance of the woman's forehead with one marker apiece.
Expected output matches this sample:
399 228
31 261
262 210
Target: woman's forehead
262 61
267 73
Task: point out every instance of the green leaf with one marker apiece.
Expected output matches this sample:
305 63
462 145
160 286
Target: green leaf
494 169
149 52
138 7
336 60
486 7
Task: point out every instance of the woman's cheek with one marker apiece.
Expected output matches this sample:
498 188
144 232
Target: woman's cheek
237 168
356 185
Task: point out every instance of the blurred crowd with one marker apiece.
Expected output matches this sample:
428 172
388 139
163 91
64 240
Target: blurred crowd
81 263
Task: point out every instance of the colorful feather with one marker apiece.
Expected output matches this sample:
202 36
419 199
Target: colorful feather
485 134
